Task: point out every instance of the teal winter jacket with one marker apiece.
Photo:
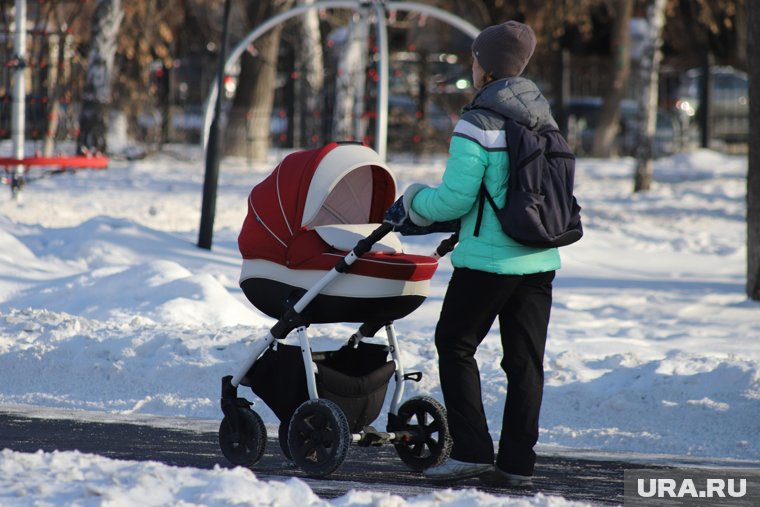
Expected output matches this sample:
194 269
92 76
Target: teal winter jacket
478 152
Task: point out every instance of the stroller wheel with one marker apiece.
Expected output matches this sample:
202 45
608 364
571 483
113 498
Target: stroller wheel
243 447
282 435
425 418
319 437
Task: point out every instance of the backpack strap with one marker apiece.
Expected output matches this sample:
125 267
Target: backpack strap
483 195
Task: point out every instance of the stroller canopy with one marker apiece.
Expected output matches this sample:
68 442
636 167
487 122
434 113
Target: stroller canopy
335 184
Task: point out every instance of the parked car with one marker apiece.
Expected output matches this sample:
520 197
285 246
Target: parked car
583 118
729 109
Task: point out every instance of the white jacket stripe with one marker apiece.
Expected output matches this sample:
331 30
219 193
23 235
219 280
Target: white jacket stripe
491 140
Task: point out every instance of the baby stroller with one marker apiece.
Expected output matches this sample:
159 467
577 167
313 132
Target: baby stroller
315 250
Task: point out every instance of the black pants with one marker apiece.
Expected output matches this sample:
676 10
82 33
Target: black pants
473 301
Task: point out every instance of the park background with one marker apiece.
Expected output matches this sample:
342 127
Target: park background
110 310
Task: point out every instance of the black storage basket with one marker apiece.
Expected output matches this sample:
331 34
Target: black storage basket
356 379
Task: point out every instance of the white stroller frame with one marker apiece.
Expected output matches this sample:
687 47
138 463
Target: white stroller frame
241 430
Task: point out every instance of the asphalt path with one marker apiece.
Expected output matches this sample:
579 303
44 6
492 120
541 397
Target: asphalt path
598 481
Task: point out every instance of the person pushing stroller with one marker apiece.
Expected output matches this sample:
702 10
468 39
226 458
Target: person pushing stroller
494 276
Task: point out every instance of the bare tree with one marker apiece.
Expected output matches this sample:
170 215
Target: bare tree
310 84
609 117
97 90
147 49
59 20
248 131
753 173
350 81
649 76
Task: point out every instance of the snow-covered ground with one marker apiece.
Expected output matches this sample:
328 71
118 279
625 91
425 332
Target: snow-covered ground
107 306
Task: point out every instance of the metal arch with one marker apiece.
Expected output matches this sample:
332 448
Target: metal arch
255 34
381 125
455 21
380 9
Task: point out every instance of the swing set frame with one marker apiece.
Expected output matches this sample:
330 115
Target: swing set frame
18 164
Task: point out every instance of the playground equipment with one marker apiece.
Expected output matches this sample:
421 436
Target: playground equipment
36 73
16 169
370 11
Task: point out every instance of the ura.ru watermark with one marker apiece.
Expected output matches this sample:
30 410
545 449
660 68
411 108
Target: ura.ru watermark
692 487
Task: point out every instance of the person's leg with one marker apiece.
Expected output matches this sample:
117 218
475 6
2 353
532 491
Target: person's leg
472 302
524 323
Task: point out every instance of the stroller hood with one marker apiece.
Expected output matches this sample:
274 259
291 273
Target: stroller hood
335 184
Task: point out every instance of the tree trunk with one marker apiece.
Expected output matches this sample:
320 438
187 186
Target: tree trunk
349 94
96 97
649 76
55 55
609 117
249 124
310 60
753 173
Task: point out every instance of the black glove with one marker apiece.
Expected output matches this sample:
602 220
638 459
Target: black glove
397 213
401 210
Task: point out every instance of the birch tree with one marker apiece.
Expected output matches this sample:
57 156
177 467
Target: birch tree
753 173
350 85
60 18
649 77
311 81
96 97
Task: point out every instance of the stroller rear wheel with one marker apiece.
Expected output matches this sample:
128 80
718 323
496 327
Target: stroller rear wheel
243 447
319 437
425 418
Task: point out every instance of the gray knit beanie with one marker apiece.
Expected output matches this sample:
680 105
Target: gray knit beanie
504 50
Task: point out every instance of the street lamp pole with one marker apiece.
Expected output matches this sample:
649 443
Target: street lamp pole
211 179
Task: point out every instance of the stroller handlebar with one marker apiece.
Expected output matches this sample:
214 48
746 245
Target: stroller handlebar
365 245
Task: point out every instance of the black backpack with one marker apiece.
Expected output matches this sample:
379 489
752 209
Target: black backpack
540 210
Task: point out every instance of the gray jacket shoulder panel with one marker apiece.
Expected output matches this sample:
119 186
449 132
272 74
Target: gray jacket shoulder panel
484 119
516 98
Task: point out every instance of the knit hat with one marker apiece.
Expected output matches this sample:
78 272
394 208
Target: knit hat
504 50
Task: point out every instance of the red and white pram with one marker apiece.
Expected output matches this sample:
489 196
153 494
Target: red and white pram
315 250
306 216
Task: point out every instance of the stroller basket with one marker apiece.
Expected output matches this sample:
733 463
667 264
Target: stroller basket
356 379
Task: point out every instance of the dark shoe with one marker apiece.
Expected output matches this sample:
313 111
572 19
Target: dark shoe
454 469
499 478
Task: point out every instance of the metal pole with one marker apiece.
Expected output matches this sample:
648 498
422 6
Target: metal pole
381 125
210 182
18 124
705 101
562 86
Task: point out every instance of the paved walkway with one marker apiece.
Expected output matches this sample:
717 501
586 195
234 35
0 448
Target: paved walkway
377 468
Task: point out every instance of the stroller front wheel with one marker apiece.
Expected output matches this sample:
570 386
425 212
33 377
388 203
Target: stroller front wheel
318 437
429 443
244 445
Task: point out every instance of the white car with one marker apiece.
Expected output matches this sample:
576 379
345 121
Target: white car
729 102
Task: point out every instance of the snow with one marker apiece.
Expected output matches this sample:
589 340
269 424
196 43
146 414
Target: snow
652 346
